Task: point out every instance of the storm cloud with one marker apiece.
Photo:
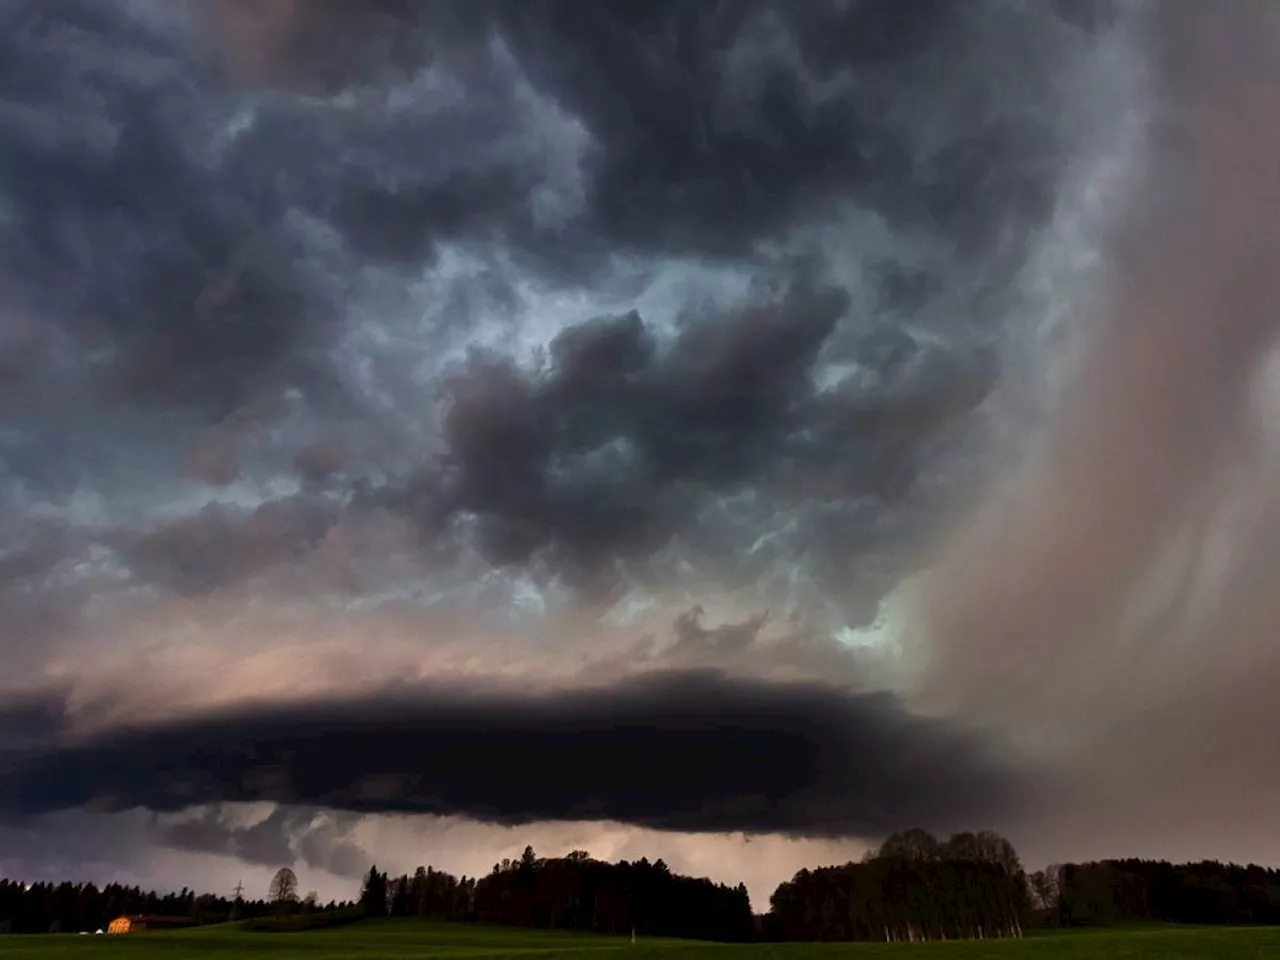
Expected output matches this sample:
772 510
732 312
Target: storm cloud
363 363
186 225
588 294
174 281
687 751
321 840
609 450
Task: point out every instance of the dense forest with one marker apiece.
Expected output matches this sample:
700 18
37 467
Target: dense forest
73 907
572 893
1121 891
914 887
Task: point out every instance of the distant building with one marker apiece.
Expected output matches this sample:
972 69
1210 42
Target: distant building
136 924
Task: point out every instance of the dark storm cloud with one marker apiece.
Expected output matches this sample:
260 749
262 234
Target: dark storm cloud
221 545
171 221
318 46
608 450
714 125
266 842
114 232
195 235
718 124
586 455
170 226
689 751
459 160
30 718
321 840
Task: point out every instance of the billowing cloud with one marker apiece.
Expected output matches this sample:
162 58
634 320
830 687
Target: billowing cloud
287 835
168 278
220 545
222 264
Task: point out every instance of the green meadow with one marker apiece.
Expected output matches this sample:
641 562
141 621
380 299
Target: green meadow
409 940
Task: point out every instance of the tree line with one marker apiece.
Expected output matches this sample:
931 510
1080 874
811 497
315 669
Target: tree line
85 907
575 892
913 887
1122 891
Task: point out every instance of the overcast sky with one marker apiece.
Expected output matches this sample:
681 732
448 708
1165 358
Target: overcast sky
719 431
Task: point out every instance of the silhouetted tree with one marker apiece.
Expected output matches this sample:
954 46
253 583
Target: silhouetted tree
915 844
399 897
283 892
373 896
1045 885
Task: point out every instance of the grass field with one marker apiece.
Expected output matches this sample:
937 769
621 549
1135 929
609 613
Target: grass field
411 940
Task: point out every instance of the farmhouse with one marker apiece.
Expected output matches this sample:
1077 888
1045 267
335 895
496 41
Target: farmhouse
138 923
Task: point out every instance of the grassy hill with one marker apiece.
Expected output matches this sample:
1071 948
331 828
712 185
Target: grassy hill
411 940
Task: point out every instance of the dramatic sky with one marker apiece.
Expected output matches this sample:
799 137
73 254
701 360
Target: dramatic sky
723 431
